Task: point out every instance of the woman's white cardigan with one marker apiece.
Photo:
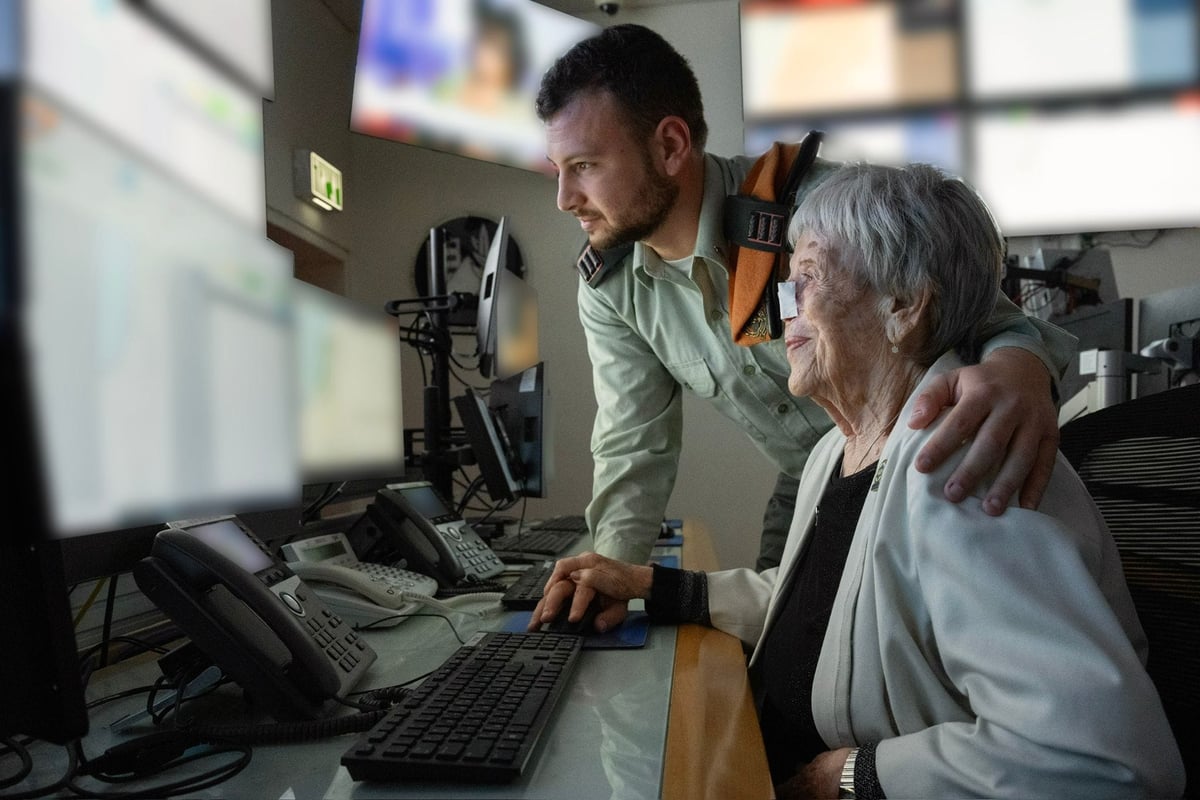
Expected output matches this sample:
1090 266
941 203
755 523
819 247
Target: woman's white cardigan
987 656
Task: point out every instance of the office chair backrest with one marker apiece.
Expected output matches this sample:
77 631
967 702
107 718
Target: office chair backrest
1141 462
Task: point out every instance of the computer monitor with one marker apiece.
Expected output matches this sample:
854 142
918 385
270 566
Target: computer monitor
146 320
498 463
161 329
459 75
519 403
40 690
506 320
494 270
347 388
1032 106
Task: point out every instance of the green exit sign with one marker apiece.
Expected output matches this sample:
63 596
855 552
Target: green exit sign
318 180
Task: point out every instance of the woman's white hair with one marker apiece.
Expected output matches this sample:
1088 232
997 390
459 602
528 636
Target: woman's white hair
905 230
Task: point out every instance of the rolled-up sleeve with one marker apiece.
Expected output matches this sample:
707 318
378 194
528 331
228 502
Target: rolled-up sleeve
636 437
1009 326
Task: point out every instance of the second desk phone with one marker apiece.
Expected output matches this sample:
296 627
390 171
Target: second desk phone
365 594
410 523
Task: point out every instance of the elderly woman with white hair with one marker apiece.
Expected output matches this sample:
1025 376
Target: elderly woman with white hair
908 646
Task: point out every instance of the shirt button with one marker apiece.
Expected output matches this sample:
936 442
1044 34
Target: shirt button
716 315
748 369
783 408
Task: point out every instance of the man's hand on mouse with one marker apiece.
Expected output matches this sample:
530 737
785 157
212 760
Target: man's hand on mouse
578 579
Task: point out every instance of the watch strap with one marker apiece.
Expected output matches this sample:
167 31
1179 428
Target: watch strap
846 786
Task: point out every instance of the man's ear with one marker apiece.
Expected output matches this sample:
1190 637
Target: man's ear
906 317
672 145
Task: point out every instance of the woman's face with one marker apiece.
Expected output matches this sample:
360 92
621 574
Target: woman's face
837 333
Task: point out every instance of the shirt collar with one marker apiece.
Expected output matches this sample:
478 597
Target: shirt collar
710 236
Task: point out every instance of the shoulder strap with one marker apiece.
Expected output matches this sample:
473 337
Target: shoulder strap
596 265
756 222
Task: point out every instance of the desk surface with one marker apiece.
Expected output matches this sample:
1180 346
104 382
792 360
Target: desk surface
714 745
673 720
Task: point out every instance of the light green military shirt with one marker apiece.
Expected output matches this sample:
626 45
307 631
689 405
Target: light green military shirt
654 330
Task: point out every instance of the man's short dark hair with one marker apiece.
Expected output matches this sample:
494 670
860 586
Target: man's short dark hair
646 75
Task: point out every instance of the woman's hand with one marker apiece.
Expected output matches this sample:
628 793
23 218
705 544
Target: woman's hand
818 779
1004 405
578 579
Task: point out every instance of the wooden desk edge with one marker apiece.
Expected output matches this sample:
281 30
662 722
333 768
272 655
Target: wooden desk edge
714 746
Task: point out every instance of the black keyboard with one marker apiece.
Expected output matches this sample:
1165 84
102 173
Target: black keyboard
477 719
525 593
549 542
567 522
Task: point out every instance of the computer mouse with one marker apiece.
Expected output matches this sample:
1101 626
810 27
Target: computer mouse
584 626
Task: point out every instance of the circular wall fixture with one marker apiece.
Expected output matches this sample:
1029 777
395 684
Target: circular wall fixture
466 241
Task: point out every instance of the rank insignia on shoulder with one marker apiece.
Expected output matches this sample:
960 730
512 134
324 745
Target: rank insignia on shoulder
596 265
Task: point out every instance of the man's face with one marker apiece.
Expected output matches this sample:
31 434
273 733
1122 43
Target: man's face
606 178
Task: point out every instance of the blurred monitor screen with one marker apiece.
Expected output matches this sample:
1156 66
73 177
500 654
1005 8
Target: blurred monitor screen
1066 115
235 34
459 75
348 380
1029 47
160 330
168 105
1071 170
821 57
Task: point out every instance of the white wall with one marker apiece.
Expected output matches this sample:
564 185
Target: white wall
395 193
314 70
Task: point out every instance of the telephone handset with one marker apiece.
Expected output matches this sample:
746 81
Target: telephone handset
362 593
410 522
253 616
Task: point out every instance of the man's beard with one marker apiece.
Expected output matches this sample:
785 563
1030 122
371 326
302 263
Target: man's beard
654 200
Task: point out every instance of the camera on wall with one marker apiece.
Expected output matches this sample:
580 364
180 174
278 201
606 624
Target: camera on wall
608 7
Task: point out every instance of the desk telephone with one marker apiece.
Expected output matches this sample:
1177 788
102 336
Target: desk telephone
253 616
365 594
410 523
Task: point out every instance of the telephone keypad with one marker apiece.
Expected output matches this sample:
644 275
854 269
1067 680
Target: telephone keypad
337 639
476 557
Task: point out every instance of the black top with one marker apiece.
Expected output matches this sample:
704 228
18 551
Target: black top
783 673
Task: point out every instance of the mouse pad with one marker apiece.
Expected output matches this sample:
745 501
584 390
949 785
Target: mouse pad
631 633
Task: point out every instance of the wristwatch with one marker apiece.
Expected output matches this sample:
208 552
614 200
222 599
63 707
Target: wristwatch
846 787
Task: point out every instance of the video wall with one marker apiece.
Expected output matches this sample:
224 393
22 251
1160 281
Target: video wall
1066 115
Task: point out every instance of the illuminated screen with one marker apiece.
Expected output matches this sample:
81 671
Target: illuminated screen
171 108
237 34
160 329
231 541
426 502
1047 171
1031 47
459 75
1067 115
348 385
934 138
806 57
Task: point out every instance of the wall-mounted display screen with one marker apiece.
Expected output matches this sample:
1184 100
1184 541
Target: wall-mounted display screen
459 75
1066 115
